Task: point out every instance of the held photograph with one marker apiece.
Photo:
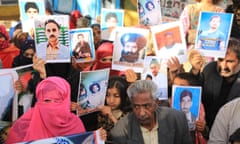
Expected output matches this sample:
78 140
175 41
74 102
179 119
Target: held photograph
81 44
129 48
30 9
52 38
188 100
213 33
169 41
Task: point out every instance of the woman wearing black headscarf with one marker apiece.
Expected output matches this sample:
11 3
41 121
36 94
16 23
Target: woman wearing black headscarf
27 50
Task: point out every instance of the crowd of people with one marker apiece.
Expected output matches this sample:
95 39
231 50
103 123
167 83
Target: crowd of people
132 112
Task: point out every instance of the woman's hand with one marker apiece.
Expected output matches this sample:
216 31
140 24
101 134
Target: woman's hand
39 66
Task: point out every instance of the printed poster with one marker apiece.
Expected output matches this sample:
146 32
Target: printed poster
188 100
169 41
213 33
92 90
52 38
155 69
129 48
81 44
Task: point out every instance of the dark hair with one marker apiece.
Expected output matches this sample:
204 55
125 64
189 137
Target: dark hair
29 5
52 21
235 137
148 76
185 93
95 25
191 78
234 46
111 14
146 5
121 85
94 84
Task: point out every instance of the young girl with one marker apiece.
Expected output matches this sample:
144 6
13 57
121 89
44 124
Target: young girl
117 103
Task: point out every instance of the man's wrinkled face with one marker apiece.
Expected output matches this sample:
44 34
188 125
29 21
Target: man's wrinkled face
229 65
52 31
144 108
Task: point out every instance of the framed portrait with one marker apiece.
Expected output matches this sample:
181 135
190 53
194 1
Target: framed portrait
129 48
169 41
92 90
81 44
30 9
52 38
149 12
110 20
187 99
213 33
155 69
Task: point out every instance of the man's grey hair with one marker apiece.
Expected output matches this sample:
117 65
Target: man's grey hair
142 86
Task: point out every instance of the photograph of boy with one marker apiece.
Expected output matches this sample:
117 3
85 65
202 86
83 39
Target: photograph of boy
149 12
53 32
30 9
213 31
82 47
111 18
187 99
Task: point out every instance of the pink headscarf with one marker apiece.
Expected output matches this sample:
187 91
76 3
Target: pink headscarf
47 119
104 50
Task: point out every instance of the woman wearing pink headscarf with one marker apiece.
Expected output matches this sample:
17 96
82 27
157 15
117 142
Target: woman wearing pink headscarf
50 116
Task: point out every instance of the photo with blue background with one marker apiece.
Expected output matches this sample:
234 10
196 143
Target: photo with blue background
225 24
40 5
196 98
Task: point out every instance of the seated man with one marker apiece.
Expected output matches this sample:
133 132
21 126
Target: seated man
149 123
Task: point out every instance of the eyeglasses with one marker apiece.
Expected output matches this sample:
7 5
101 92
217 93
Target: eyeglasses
53 30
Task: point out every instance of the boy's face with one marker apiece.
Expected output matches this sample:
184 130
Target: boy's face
32 13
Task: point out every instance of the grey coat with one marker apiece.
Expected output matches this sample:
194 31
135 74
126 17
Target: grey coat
172 128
